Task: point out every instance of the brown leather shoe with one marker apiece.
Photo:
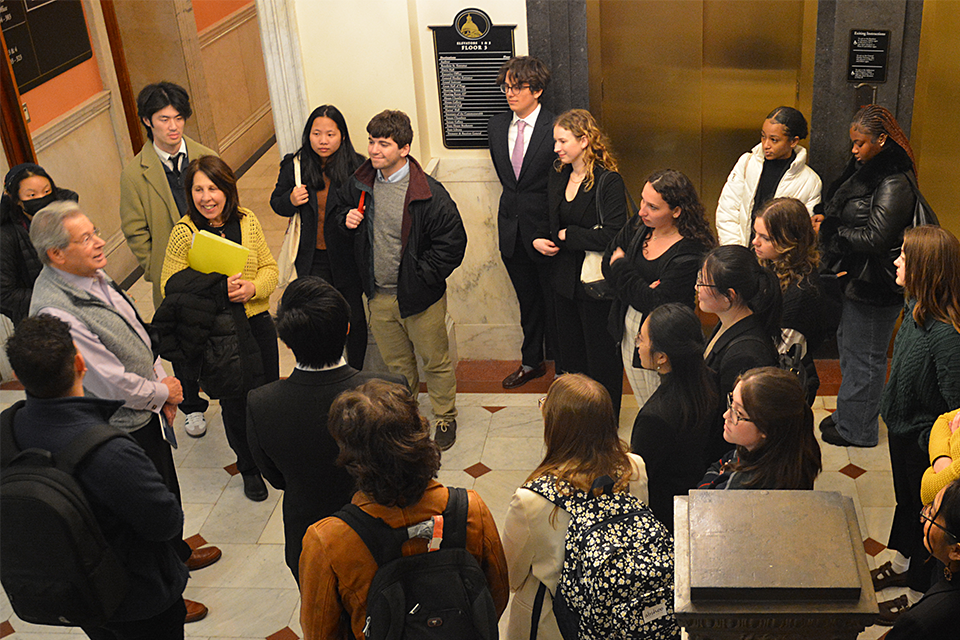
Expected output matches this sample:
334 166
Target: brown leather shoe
203 557
195 611
520 377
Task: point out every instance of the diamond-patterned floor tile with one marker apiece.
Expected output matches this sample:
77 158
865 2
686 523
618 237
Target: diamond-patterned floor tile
6 629
196 541
872 547
494 409
232 469
284 634
852 471
477 470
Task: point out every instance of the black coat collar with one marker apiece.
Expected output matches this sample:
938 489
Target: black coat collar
858 180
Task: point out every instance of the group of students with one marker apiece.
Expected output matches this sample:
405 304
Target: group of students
792 268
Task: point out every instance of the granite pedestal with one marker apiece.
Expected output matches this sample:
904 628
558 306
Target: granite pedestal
770 565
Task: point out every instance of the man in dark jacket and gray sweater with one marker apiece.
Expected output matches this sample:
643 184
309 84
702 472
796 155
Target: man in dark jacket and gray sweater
139 516
405 248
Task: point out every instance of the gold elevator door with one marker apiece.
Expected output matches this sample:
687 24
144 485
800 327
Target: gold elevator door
685 84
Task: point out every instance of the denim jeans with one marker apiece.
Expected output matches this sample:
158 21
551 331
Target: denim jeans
862 339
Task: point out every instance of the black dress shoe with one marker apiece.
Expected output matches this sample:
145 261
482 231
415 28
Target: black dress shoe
831 435
253 487
829 421
520 377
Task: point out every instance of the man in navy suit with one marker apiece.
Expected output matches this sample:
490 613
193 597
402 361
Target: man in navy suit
287 419
521 146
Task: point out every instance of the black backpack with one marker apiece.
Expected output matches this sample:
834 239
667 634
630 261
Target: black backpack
57 567
439 594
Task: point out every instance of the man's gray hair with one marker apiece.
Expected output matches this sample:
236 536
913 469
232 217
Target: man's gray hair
46 229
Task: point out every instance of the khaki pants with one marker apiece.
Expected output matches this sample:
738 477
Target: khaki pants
401 340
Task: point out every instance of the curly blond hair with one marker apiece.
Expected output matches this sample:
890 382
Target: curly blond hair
580 123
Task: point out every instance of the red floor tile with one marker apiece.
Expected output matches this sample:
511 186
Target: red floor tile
853 471
872 547
6 629
494 409
284 634
232 469
477 470
196 541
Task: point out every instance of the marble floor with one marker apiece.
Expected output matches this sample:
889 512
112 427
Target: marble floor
250 591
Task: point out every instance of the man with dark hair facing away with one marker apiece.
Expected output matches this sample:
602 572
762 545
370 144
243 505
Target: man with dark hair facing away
152 200
287 419
409 239
137 514
385 446
115 344
521 146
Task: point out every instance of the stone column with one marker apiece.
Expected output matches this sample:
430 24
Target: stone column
833 97
557 34
281 55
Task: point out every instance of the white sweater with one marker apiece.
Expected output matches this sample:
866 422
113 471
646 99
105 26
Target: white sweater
736 200
533 545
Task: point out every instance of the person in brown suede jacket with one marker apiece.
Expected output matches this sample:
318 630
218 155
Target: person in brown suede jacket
385 445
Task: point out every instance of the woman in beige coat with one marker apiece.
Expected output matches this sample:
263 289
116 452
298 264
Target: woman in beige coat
580 433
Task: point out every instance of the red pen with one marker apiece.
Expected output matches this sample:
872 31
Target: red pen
360 206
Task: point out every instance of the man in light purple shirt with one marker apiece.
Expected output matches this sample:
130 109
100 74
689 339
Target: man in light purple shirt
114 343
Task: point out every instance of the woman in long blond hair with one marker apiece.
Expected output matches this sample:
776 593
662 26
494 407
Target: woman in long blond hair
580 434
587 205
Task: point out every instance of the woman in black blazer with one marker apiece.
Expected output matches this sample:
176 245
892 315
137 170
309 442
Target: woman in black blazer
327 160
585 177
746 297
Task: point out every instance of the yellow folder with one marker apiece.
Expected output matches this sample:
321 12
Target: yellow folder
212 254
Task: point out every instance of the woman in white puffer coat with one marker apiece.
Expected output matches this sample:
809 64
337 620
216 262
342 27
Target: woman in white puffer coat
775 168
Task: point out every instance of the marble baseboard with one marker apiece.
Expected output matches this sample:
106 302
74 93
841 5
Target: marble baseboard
489 341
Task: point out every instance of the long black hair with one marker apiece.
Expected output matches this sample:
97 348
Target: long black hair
676 332
735 268
340 165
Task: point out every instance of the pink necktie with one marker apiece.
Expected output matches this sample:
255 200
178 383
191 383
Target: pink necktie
517 159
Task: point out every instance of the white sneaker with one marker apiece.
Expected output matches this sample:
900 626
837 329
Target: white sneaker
195 425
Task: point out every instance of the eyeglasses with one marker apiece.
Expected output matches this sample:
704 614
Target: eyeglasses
927 515
737 418
701 283
87 239
513 88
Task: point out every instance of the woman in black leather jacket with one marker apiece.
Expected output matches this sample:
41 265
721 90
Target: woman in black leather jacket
867 210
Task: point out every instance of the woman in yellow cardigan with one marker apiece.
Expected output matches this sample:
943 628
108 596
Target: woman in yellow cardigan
213 205
944 456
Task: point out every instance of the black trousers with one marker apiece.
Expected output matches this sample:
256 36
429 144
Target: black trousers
158 450
166 625
532 283
357 338
585 344
192 402
234 410
908 462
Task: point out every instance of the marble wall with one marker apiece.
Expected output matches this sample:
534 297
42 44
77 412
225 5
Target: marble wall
237 85
78 149
480 298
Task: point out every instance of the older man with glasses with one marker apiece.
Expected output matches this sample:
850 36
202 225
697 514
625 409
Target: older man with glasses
115 345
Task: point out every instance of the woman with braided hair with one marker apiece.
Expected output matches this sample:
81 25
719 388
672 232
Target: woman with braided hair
866 212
